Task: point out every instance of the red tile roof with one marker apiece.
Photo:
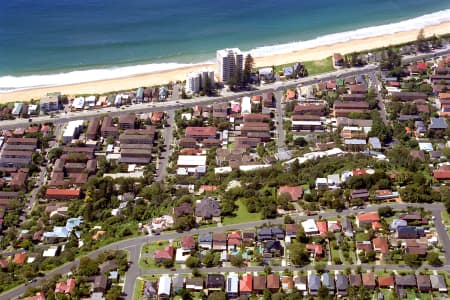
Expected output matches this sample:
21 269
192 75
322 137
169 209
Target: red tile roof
167 253
19 258
381 244
441 174
187 241
323 227
368 217
359 172
246 283
38 296
317 249
296 192
63 192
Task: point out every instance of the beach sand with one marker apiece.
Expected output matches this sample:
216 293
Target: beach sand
103 86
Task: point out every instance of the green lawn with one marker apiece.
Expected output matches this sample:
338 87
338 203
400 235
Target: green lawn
137 295
319 66
242 215
151 247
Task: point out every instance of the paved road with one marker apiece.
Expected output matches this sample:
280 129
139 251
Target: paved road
135 243
380 102
226 96
168 137
279 123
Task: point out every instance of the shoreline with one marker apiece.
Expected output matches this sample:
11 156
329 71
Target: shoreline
163 77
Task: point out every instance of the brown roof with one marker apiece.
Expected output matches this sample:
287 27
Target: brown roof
259 282
200 131
273 281
380 243
368 279
295 192
385 281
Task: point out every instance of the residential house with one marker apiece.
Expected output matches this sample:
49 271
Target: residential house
248 238
62 194
380 245
259 284
438 283
294 192
232 286
301 283
341 285
234 240
386 281
315 250
194 284
164 287
201 133
405 281
274 248
328 282
205 241
165 254
273 282
178 283
423 283
207 209
65 287
100 284
365 219
219 241
355 280
246 285
314 284
409 232
187 243
215 282
368 280
287 284
291 230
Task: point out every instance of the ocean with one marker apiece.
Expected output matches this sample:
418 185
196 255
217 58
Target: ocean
50 42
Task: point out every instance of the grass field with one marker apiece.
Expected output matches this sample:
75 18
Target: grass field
242 215
137 295
314 67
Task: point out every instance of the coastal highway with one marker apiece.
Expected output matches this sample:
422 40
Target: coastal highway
225 96
133 245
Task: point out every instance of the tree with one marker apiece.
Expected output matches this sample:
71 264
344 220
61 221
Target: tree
237 260
433 259
288 220
411 260
421 42
385 211
219 295
88 266
192 262
248 66
210 260
54 153
299 255
114 293
323 293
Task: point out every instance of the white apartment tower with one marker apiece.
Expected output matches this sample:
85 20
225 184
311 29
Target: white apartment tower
228 61
195 81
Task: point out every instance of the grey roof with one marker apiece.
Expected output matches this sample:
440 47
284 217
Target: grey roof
314 282
403 118
406 280
178 281
375 142
207 208
207 237
438 282
328 281
423 281
341 282
438 123
355 142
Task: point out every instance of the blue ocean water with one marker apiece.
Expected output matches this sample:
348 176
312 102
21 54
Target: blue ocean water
48 37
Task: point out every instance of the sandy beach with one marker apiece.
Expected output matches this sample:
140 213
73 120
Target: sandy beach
103 86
